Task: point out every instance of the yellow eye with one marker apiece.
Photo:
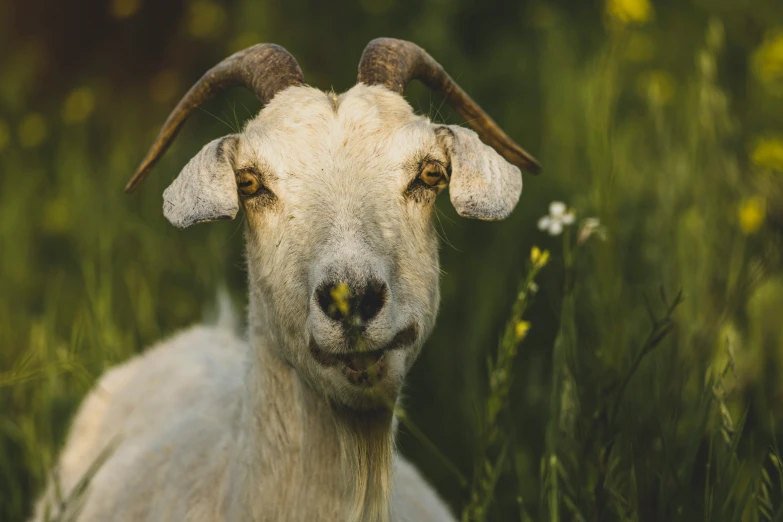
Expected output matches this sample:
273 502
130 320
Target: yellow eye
433 174
248 182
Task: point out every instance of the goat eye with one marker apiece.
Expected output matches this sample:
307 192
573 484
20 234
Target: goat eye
433 174
248 182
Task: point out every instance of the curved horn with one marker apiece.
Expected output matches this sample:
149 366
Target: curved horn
265 69
393 63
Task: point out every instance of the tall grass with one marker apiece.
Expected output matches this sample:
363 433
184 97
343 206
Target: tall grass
650 416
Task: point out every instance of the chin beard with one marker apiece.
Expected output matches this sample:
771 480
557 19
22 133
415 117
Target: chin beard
367 444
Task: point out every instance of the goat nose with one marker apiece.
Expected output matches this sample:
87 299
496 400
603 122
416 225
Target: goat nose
348 304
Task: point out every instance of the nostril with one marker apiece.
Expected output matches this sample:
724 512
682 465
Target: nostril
334 300
340 302
372 300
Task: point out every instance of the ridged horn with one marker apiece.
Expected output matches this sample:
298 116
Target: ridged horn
394 63
265 69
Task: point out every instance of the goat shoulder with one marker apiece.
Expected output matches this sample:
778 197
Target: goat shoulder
169 412
413 499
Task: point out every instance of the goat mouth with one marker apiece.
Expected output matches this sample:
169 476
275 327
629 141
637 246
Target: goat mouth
363 361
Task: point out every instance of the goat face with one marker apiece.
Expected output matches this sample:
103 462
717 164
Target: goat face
339 195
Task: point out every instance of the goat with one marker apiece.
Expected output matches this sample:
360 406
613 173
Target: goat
296 422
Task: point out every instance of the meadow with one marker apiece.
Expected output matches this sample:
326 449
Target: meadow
620 360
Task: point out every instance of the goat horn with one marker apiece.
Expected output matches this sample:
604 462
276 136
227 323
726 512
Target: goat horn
393 63
265 69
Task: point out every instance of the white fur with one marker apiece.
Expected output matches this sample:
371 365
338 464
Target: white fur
183 452
210 427
485 185
205 190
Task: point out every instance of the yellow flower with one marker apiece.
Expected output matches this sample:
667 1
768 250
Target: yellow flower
32 130
629 11
124 8
768 61
5 135
206 19
656 86
535 254
340 294
751 213
78 105
521 329
768 153
538 257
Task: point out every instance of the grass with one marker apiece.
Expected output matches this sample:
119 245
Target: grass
647 388
655 422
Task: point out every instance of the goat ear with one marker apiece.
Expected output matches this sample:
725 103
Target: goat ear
206 189
483 185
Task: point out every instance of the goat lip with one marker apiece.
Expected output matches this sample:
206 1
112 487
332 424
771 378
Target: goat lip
361 361
351 361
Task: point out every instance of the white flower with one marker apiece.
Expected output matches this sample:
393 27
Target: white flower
588 227
558 218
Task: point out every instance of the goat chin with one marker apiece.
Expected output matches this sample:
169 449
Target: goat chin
290 457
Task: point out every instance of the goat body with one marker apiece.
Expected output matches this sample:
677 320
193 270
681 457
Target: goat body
193 438
296 423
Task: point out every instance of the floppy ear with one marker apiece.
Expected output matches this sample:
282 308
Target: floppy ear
483 185
206 189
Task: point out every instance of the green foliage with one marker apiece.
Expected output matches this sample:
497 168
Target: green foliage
485 473
627 400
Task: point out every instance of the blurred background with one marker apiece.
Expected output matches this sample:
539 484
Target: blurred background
661 118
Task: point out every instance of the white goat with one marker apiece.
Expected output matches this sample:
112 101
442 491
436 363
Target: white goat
296 423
